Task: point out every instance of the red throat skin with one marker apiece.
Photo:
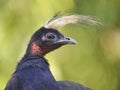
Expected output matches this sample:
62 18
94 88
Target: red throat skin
35 49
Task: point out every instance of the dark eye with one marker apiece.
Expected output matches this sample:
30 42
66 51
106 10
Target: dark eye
51 36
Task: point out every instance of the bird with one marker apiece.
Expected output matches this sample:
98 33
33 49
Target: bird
32 72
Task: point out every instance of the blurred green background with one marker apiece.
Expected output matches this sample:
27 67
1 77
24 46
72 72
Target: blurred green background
94 61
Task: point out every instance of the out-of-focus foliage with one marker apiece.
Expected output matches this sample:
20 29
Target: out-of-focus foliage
94 61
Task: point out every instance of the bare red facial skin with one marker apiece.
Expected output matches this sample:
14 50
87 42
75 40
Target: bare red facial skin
35 49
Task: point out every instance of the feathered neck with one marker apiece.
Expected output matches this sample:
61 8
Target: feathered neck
32 61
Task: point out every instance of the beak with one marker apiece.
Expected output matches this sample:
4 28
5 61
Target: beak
66 40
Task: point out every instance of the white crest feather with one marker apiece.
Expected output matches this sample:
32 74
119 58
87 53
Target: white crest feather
60 21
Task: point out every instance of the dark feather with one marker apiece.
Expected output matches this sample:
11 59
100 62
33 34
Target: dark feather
69 85
32 74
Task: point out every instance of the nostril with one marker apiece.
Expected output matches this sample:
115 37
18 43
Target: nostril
68 38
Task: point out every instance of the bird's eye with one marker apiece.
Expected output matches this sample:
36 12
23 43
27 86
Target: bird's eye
50 36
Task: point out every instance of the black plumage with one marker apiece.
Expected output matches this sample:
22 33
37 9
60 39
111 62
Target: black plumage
32 72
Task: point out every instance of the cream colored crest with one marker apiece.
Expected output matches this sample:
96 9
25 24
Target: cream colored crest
60 21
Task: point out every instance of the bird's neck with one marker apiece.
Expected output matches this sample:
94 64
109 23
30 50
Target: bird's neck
34 61
35 49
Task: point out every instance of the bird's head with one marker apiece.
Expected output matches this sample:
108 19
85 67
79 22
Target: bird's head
48 38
